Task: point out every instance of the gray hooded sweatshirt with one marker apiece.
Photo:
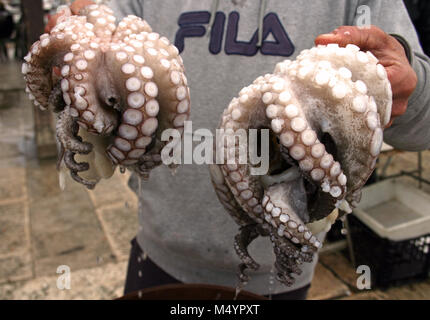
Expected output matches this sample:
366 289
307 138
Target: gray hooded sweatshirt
183 227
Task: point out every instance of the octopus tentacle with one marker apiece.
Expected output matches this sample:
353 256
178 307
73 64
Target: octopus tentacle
246 235
72 164
44 55
70 145
101 21
89 184
56 101
326 110
286 264
75 168
130 25
67 134
154 78
226 197
282 213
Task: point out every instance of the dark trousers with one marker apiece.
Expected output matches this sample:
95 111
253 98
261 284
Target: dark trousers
143 273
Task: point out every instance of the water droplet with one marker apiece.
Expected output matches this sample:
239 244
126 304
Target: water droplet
140 186
62 180
271 281
238 290
239 287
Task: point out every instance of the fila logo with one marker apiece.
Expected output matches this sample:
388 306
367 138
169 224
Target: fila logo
192 24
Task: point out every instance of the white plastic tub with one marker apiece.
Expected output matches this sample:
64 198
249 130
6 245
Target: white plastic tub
395 211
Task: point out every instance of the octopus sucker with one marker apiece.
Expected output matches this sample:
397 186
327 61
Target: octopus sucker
326 112
115 88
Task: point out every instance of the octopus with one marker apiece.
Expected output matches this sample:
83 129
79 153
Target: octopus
115 89
325 112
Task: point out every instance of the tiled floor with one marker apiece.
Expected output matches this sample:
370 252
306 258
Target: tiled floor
42 228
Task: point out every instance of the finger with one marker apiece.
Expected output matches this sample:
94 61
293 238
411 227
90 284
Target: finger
78 5
365 38
53 21
75 8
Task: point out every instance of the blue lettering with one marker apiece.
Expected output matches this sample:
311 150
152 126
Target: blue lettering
232 46
192 24
217 33
283 45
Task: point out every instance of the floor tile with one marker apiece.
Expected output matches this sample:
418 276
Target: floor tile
101 283
12 178
13 226
15 268
338 263
64 227
12 72
326 286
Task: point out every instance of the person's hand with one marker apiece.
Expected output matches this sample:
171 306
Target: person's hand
390 54
75 7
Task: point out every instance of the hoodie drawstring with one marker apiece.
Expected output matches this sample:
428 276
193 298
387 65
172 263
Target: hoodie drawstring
214 9
263 4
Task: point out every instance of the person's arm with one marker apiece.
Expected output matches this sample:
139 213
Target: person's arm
410 128
424 25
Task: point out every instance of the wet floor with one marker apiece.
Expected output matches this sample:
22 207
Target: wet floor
43 228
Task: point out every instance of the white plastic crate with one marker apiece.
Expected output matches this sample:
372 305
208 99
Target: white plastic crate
395 211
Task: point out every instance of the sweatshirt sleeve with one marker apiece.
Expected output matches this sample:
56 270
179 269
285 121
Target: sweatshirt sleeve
123 8
411 131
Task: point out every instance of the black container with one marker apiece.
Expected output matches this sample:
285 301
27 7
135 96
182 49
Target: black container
390 262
